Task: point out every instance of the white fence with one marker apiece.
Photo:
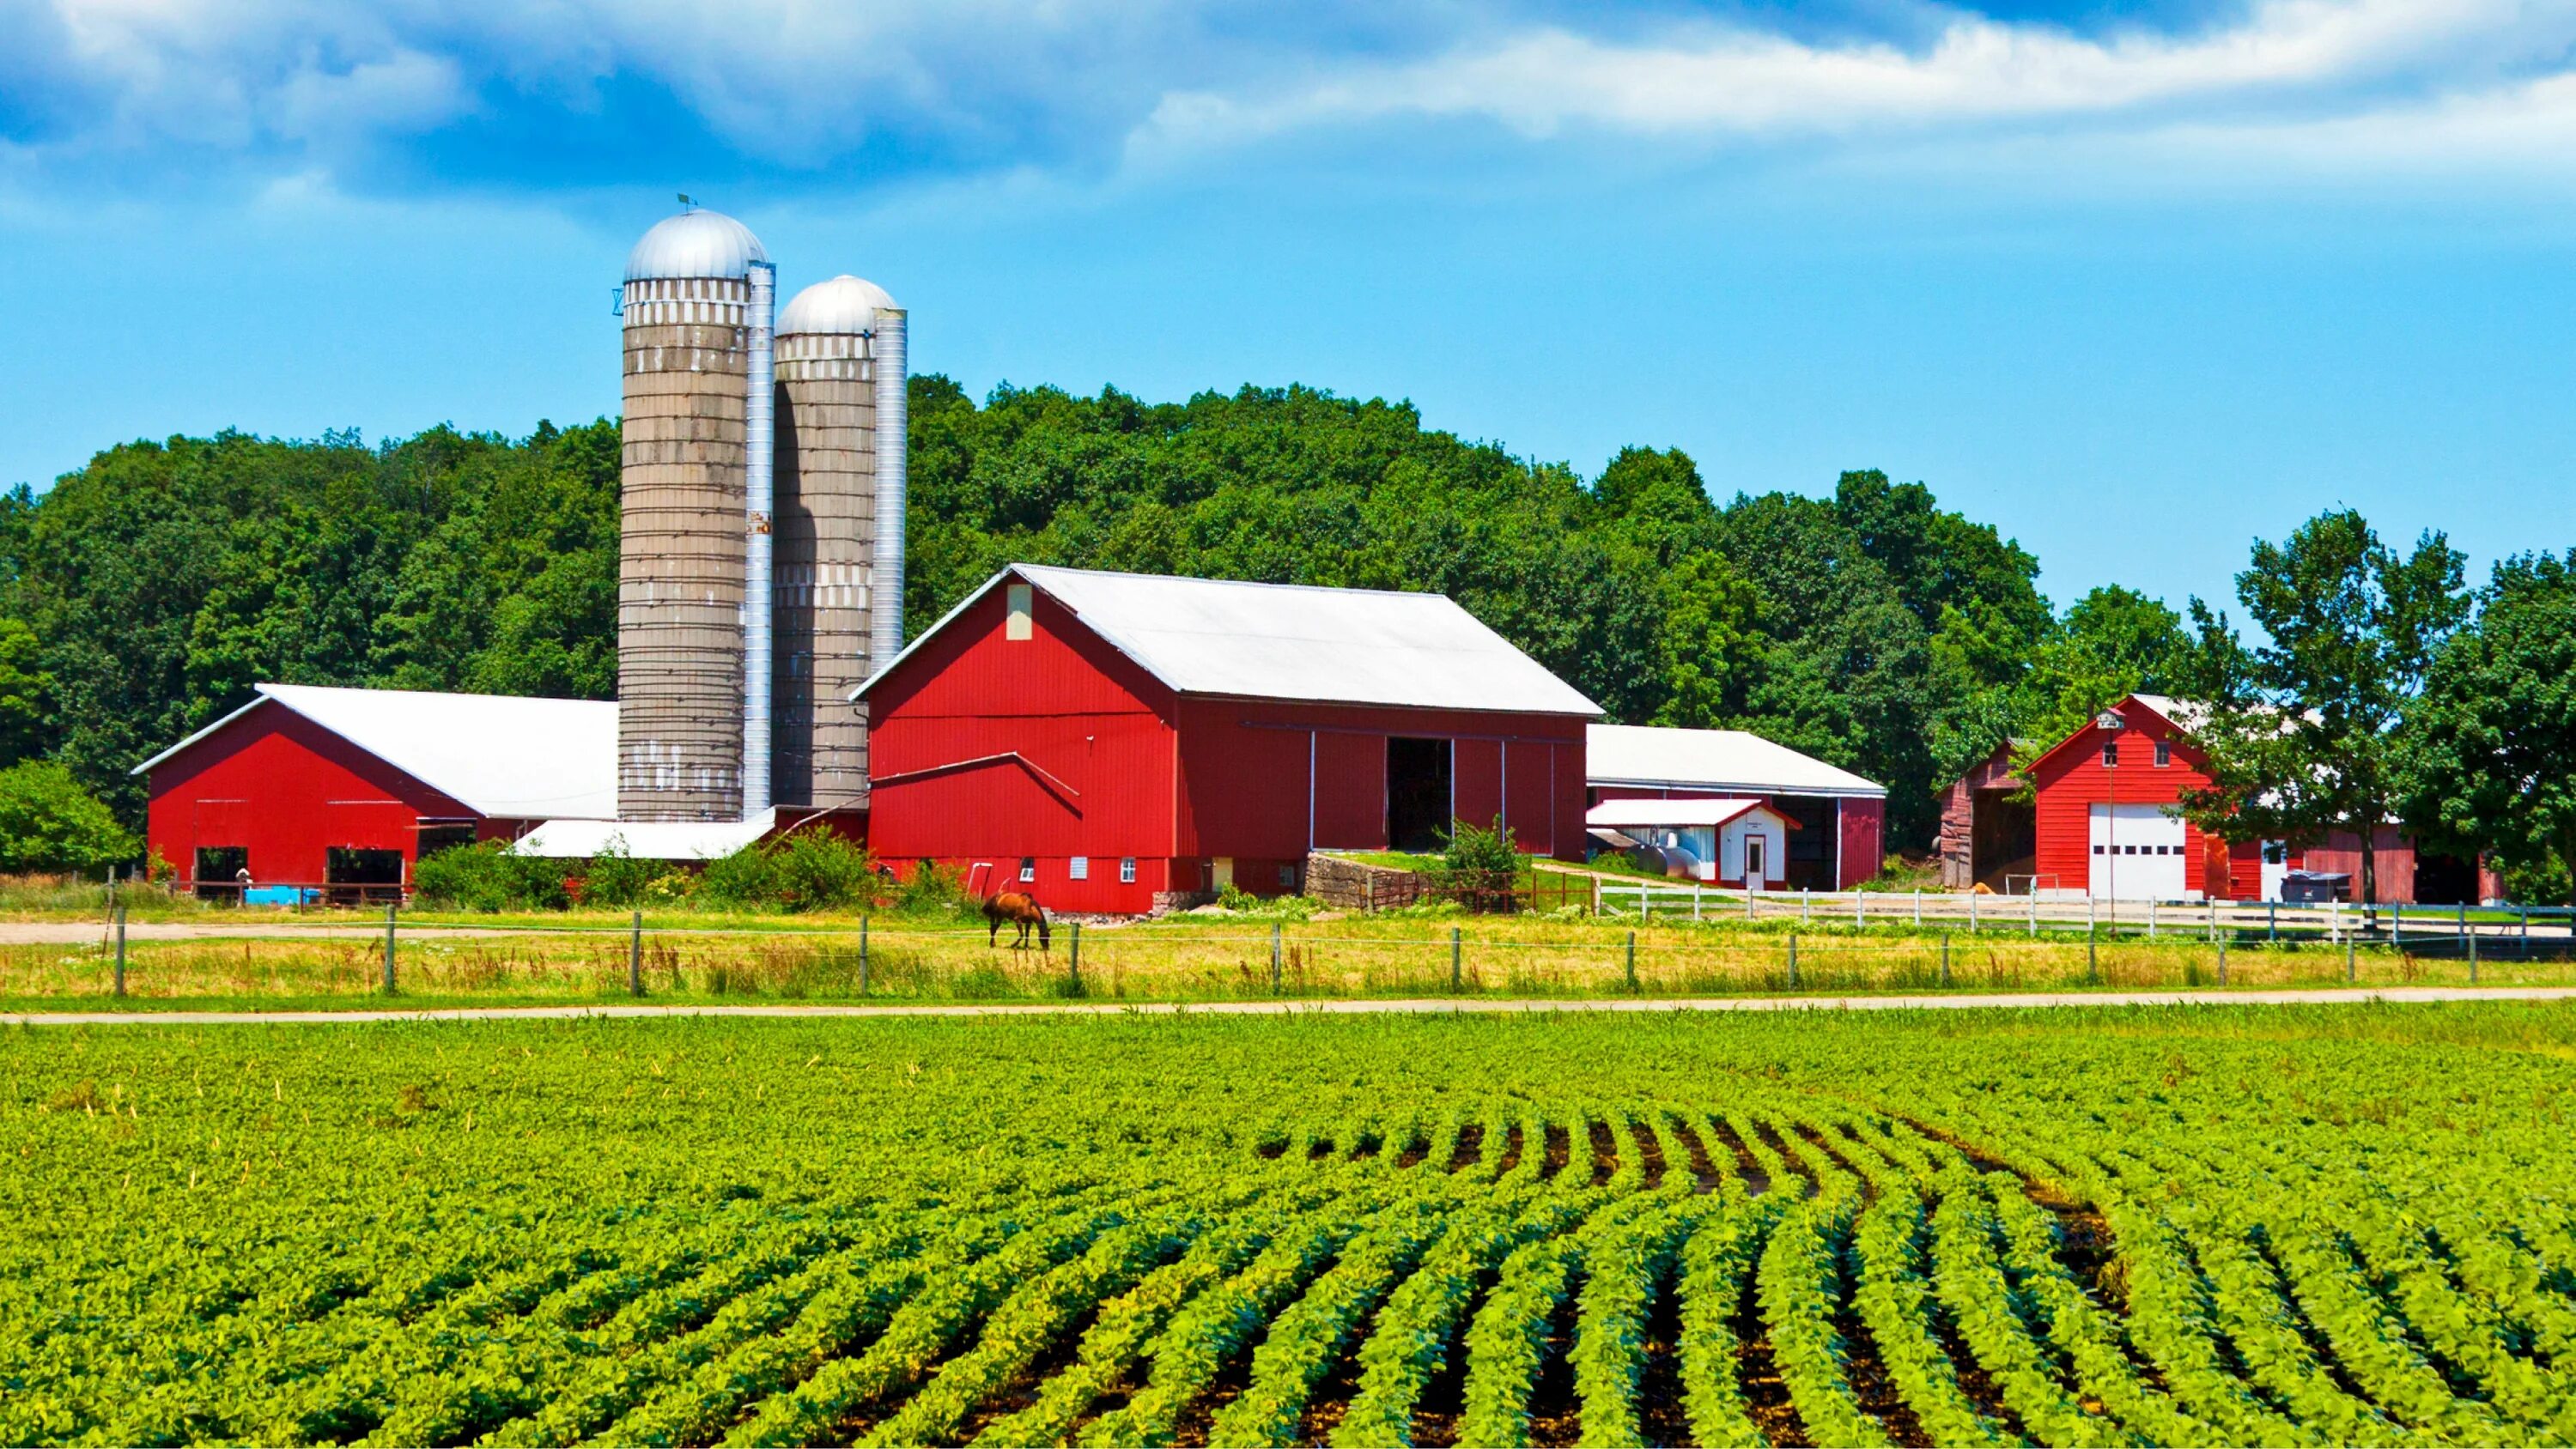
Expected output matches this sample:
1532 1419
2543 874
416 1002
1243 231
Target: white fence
2414 926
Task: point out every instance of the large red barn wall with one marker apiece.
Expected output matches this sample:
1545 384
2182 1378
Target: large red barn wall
1139 772
1863 823
288 790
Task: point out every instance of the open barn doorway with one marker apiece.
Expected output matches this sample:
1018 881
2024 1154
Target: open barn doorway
2003 840
358 876
1417 793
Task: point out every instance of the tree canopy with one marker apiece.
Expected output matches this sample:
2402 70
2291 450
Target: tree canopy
145 594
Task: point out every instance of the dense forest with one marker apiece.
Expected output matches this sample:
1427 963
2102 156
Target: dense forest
146 593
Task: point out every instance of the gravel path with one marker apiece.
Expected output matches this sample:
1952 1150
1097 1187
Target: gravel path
81 933
1961 1002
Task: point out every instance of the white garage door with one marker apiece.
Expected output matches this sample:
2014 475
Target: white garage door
2137 853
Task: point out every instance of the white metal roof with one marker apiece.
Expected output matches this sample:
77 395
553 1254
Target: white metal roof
844 304
642 839
694 244
1674 759
1294 641
499 755
1618 813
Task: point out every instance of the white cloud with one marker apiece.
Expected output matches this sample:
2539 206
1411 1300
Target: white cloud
1742 83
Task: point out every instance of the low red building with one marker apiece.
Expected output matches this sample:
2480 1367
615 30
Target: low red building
1104 739
2102 824
1832 823
307 786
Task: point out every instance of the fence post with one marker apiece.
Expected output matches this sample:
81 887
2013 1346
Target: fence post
635 958
2473 956
120 951
1748 900
1803 905
2222 960
1972 908
863 955
2213 918
389 949
2151 918
2272 921
1073 960
2348 950
1274 958
1596 895
2464 925
1793 960
1860 909
2034 909
1945 958
1632 961
1645 903
2092 912
1694 900
1918 905
2092 961
1455 951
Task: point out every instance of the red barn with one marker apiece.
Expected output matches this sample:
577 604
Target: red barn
1106 739
306 786
2103 826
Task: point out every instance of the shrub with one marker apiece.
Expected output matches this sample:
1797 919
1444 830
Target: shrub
931 890
615 878
1473 849
49 823
818 870
746 880
485 876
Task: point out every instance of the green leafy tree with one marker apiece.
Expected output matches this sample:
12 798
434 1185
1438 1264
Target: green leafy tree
49 823
2489 749
2301 729
25 692
2112 643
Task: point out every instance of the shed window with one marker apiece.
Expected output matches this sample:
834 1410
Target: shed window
1287 877
1022 602
2110 752
2164 753
1127 870
1028 869
1081 867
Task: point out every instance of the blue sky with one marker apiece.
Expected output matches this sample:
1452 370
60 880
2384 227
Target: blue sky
2137 283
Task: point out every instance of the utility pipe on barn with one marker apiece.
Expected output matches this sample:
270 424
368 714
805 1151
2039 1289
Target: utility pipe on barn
885 567
759 489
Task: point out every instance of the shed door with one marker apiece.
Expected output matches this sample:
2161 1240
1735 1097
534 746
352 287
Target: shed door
2137 853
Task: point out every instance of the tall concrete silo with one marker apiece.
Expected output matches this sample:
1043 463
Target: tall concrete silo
840 477
696 331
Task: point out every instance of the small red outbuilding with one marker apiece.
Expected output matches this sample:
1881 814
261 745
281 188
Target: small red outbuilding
308 786
1104 739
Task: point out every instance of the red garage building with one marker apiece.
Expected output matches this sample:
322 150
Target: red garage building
306 786
1105 738
2102 824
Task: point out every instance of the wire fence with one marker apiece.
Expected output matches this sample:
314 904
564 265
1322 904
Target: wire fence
1640 944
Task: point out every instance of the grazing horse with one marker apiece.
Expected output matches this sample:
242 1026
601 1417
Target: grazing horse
1018 908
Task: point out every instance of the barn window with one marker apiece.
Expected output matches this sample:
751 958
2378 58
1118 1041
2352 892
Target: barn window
1127 870
1081 867
1022 623
2110 752
2164 753
1028 869
1287 877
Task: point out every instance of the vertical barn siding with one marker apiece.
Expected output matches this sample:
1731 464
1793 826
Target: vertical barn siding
1350 791
288 790
1063 700
1529 806
1863 823
1244 784
1476 781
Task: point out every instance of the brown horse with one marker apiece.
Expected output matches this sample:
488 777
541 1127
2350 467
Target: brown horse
1018 908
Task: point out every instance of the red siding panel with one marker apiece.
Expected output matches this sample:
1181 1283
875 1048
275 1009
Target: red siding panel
1476 781
1864 823
1529 805
1243 783
1350 791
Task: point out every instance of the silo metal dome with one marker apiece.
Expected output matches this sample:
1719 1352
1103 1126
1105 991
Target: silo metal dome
694 244
845 304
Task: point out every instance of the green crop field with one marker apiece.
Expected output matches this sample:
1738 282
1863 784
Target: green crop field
2078 1227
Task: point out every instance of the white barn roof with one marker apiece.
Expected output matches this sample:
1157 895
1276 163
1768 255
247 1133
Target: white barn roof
642 839
1616 814
1728 760
1294 641
500 755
